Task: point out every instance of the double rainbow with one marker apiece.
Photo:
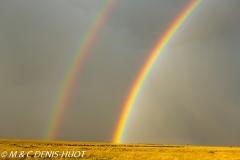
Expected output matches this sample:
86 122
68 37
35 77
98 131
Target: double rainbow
70 78
157 51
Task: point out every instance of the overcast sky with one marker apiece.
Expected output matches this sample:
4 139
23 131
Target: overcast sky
190 97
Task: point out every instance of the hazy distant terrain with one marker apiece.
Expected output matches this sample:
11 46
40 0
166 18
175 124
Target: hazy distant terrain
34 149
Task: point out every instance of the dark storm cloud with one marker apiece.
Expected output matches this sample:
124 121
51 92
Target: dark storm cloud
217 18
145 22
190 97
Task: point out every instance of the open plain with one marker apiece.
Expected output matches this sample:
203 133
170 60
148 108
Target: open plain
41 149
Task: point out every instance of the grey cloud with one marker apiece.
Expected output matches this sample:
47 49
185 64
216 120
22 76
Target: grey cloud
190 97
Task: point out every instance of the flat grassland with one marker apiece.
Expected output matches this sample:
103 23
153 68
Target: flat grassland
41 149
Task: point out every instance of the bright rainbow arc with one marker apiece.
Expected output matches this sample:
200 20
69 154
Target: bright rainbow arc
71 76
161 45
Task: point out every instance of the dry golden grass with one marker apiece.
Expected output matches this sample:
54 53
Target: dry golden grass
107 151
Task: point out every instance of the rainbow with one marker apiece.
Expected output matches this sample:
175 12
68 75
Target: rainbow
157 51
70 78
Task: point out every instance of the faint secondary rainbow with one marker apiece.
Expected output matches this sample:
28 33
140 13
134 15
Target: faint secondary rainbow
70 78
157 51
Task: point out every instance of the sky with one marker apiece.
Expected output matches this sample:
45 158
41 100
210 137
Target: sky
191 95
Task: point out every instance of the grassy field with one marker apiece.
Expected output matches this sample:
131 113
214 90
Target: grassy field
37 149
